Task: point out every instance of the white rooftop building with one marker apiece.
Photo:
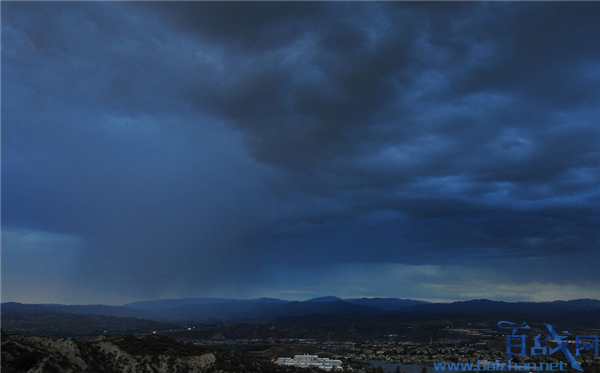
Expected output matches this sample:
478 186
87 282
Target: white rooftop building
305 361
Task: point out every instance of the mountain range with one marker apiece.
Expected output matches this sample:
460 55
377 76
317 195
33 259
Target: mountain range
214 310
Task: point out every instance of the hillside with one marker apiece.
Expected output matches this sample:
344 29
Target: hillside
51 322
123 354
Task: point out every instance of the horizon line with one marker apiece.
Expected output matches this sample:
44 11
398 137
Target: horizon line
304 300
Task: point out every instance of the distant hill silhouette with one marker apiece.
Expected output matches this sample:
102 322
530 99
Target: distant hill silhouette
258 311
385 304
154 305
485 307
43 321
325 299
210 310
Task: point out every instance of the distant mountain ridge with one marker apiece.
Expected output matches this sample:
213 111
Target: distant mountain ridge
51 321
172 303
383 304
386 304
325 299
486 307
211 310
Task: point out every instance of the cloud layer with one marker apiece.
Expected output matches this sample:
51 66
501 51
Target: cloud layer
249 149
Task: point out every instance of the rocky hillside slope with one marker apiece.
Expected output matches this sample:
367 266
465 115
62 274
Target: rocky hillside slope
123 354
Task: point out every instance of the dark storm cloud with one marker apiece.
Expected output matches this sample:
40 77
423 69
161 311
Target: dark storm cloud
217 143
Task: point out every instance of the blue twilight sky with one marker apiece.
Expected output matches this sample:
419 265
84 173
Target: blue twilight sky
438 151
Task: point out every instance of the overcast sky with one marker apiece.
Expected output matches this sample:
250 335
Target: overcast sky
439 151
